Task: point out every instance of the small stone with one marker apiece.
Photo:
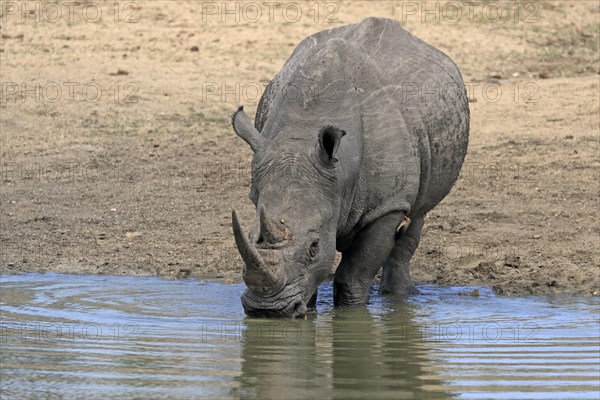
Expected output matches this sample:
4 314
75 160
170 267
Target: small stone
119 72
499 290
485 267
183 273
113 209
472 293
537 236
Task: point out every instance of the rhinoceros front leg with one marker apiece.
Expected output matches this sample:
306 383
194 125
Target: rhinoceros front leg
361 262
395 278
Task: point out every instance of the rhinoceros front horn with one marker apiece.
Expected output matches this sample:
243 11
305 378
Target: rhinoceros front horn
262 277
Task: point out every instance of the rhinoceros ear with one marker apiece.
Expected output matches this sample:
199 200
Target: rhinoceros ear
244 128
329 142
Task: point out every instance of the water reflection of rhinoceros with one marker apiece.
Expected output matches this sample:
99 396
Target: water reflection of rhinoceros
351 354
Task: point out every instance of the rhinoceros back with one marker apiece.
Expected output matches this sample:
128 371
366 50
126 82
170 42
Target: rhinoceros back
414 113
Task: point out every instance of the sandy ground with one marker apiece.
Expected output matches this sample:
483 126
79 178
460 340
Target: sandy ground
117 155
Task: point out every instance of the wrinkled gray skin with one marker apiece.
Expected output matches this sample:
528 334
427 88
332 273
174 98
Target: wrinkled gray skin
365 124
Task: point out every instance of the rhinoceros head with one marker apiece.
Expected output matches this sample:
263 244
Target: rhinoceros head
291 246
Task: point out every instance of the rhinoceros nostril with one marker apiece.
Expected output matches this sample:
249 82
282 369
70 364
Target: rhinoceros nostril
300 310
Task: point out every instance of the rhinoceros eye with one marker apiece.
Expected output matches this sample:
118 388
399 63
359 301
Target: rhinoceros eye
314 249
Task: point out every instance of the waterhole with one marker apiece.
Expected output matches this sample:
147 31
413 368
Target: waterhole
95 337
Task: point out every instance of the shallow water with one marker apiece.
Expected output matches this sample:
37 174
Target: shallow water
100 337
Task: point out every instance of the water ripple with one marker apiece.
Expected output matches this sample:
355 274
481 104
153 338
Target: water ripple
66 336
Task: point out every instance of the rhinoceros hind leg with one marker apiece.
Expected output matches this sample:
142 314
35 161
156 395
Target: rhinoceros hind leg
395 278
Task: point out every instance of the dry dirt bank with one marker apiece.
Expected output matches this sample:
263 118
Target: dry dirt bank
118 158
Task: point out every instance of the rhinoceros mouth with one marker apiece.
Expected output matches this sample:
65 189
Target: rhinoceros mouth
283 305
